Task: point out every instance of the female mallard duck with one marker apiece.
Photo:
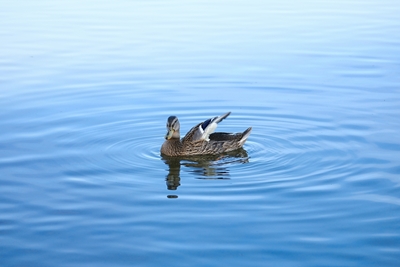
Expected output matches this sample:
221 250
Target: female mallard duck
201 139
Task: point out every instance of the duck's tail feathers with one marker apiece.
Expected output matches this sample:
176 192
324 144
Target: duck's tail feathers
245 135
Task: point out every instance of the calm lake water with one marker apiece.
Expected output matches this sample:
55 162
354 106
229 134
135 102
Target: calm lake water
86 88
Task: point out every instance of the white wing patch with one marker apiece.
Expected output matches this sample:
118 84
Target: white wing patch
210 126
209 130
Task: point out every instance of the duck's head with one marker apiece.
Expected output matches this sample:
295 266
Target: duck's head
173 127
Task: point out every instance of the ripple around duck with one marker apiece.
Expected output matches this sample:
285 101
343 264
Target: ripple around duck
134 151
90 144
280 148
110 147
298 149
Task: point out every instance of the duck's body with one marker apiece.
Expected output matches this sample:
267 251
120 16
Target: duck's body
201 139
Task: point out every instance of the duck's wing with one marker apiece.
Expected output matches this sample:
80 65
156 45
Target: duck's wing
203 130
240 138
219 143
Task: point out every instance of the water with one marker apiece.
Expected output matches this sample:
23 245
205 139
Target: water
87 86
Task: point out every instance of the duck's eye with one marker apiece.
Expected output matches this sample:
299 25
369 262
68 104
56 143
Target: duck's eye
172 122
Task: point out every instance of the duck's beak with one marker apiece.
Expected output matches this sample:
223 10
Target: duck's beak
169 133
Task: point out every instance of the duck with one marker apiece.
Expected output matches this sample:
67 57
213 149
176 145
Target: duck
201 139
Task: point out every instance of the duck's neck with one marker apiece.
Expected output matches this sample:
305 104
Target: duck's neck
172 147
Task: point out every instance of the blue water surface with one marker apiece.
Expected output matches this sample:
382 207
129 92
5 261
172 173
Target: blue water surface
86 88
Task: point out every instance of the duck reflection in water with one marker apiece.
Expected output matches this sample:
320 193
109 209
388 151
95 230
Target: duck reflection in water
204 166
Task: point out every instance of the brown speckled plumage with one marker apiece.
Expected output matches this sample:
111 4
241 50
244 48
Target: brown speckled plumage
199 141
